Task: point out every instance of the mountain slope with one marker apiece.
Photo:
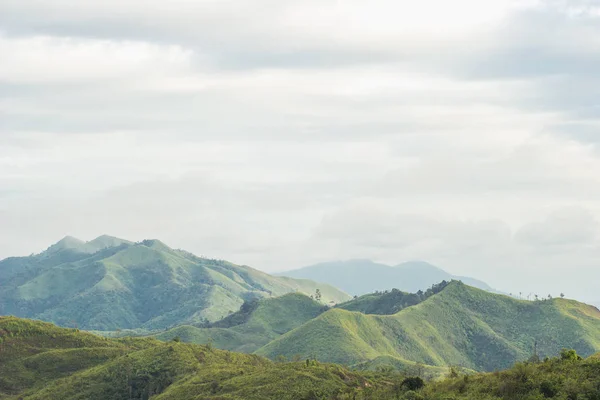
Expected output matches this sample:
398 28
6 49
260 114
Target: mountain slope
126 285
40 361
389 302
255 325
460 325
358 277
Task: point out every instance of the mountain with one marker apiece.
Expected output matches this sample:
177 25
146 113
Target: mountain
460 325
358 277
110 283
256 324
389 302
79 246
39 361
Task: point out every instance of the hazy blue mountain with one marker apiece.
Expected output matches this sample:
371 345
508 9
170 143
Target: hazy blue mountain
110 283
358 277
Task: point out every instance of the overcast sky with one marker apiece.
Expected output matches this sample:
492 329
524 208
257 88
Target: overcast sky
278 133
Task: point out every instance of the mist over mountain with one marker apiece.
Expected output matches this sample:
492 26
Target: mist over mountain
358 277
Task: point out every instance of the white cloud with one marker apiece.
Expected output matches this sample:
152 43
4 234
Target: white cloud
48 59
280 133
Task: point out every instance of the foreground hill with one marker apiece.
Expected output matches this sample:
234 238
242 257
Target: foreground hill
39 361
460 326
358 277
110 283
255 325
567 377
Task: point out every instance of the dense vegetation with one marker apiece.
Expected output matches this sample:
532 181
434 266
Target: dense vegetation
41 361
390 302
567 377
359 277
257 323
459 326
109 284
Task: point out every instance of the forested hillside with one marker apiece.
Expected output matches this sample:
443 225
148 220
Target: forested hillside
39 361
459 326
109 284
257 323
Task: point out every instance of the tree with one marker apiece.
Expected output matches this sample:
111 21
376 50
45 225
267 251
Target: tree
318 294
562 295
569 355
413 383
535 358
280 359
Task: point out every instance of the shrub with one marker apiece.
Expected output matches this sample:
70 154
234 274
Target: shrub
549 389
413 383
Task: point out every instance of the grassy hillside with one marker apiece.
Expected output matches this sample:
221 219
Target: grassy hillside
389 302
559 378
255 325
41 361
460 326
359 277
109 283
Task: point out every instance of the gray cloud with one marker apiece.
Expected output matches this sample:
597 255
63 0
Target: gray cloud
281 133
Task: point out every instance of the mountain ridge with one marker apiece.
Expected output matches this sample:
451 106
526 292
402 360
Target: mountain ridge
362 276
134 285
460 325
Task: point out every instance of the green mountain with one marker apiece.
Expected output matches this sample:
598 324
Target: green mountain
359 277
39 361
567 377
460 325
109 284
256 324
389 302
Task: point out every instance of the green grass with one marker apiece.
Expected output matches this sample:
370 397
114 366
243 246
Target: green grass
110 284
39 361
460 326
247 331
554 379
390 301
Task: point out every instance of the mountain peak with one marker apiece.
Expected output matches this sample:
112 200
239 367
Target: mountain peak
105 241
421 265
66 243
155 244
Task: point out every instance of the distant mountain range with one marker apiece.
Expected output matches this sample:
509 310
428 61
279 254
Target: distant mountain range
110 283
150 289
358 277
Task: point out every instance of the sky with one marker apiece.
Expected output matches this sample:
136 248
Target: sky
278 133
